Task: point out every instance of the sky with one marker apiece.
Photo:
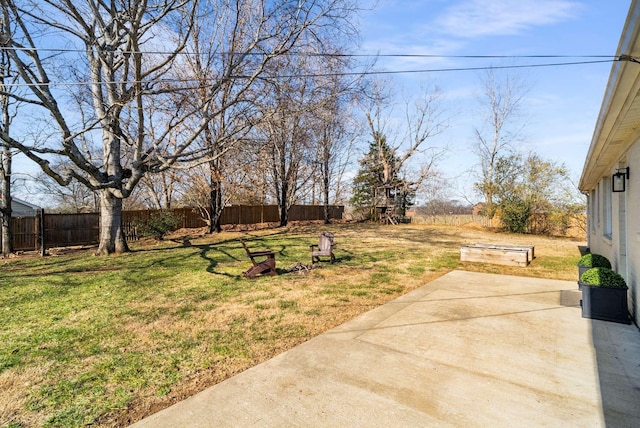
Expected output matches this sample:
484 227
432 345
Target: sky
561 104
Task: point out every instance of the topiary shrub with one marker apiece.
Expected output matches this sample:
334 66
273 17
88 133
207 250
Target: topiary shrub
159 224
594 260
603 277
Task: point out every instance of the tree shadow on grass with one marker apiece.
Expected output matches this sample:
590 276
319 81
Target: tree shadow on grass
212 263
232 250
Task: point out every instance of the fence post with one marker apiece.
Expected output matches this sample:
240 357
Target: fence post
40 231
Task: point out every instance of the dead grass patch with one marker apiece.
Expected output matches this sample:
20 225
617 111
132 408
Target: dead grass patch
15 390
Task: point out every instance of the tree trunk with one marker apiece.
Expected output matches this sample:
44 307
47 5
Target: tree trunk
111 234
5 167
215 207
6 231
215 181
325 189
215 189
5 201
284 212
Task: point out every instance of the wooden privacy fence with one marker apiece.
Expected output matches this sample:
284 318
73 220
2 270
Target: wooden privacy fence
249 214
456 220
253 214
189 219
233 214
56 230
64 230
25 232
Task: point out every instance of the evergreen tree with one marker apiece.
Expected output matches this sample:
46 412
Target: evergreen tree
366 183
378 182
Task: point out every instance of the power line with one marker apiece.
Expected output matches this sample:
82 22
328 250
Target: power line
320 54
473 56
353 73
438 70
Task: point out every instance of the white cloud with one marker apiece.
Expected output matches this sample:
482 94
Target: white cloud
472 18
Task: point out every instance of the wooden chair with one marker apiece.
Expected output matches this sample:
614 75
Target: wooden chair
324 248
265 267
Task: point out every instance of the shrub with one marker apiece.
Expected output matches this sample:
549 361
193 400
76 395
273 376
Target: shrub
159 224
515 215
603 277
594 260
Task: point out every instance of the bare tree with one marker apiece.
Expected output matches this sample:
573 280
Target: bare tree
6 155
424 119
239 174
306 124
502 99
335 131
126 53
73 198
286 131
247 174
221 53
160 191
122 77
227 49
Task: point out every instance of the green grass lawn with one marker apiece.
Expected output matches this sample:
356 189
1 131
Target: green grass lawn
108 340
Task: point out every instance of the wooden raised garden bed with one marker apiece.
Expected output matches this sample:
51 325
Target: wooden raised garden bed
500 254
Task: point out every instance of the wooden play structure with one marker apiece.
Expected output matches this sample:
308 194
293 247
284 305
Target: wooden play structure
391 204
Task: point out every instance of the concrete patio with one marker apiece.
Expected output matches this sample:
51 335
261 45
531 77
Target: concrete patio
467 349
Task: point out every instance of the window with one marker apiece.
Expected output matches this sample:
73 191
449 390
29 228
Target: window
606 206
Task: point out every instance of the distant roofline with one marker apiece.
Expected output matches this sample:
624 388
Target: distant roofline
33 207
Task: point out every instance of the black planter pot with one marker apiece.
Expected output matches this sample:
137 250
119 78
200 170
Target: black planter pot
604 303
581 270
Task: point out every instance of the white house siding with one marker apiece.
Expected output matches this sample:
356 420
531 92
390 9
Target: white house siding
632 196
622 247
616 144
